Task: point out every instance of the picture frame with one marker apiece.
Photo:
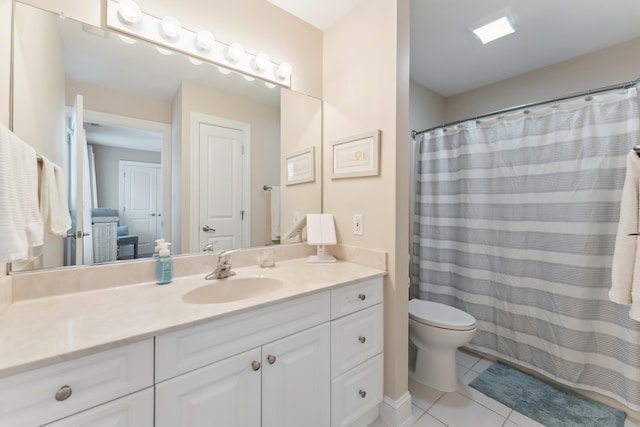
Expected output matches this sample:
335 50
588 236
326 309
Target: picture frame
356 156
301 167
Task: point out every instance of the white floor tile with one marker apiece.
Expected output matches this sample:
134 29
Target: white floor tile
469 376
481 365
628 422
428 421
481 398
509 423
456 410
522 420
422 396
465 359
416 413
461 371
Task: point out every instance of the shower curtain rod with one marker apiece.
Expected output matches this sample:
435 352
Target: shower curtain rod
624 85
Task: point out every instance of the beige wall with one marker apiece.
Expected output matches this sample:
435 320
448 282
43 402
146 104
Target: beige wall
265 150
301 130
366 82
38 108
427 108
120 103
107 160
605 67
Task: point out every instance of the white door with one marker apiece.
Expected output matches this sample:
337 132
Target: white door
141 202
79 208
296 375
221 187
226 393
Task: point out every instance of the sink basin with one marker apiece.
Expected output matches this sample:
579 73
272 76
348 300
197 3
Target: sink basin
232 289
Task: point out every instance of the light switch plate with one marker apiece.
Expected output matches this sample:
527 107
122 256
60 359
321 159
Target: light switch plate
358 225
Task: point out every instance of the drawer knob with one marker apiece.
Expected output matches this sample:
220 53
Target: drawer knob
271 359
362 339
64 393
255 365
362 297
362 394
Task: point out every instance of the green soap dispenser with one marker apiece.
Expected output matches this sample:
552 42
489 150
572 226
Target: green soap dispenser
164 265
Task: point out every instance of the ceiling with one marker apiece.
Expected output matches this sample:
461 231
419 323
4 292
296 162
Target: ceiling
448 59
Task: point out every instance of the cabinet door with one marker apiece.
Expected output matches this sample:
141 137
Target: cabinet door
296 383
226 393
135 410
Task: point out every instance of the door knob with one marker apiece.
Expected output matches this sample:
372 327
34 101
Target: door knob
78 234
152 214
208 229
63 393
362 339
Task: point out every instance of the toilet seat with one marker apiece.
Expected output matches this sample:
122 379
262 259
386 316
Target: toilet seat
440 315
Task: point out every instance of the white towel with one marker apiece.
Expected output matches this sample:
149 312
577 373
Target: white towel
275 213
625 268
54 207
20 222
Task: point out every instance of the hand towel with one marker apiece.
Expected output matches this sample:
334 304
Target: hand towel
54 207
20 223
625 268
275 213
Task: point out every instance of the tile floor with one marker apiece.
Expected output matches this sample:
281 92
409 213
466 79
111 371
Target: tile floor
466 406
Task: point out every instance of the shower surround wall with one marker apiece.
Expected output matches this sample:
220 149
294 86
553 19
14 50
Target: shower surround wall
515 223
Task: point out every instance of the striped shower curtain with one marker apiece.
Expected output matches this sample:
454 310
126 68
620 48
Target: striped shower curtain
515 223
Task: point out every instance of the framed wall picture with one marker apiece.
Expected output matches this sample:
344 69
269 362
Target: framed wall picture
356 156
301 167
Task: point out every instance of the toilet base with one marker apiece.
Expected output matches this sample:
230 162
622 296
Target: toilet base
437 369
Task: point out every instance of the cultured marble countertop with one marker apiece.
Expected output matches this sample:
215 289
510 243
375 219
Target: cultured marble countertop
38 332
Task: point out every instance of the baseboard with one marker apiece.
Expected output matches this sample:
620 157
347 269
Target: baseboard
396 413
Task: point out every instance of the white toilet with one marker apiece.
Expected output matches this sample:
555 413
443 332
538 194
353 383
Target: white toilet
437 330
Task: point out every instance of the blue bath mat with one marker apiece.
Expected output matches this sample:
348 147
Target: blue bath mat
543 402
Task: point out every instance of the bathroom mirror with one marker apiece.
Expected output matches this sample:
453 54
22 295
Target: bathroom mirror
139 106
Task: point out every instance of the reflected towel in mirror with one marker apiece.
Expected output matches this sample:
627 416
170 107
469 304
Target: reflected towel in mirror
275 213
53 199
20 223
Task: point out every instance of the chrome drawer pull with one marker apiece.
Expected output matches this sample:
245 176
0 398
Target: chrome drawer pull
255 365
362 339
362 394
362 297
271 359
64 393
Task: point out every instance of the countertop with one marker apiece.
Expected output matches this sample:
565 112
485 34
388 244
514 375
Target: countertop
39 332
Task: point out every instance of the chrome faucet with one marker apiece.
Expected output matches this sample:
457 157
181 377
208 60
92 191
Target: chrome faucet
223 269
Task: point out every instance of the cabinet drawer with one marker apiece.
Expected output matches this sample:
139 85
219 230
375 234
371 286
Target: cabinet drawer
29 398
355 297
191 348
356 392
356 338
135 410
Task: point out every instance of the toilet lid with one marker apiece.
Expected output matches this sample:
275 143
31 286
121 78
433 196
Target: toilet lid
440 315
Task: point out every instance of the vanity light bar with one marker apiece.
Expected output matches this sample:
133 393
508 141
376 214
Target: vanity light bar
201 45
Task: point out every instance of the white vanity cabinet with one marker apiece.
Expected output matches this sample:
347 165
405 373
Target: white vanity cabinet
49 394
356 353
267 367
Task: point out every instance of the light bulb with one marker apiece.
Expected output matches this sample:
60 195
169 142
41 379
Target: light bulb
129 12
224 70
269 85
284 71
260 62
195 61
248 78
234 52
170 28
204 41
163 51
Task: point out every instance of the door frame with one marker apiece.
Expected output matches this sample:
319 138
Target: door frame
165 153
194 184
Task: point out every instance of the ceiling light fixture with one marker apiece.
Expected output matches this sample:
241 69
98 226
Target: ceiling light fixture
204 40
495 27
129 12
170 28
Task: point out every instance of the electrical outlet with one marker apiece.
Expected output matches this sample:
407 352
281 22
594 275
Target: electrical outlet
358 225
